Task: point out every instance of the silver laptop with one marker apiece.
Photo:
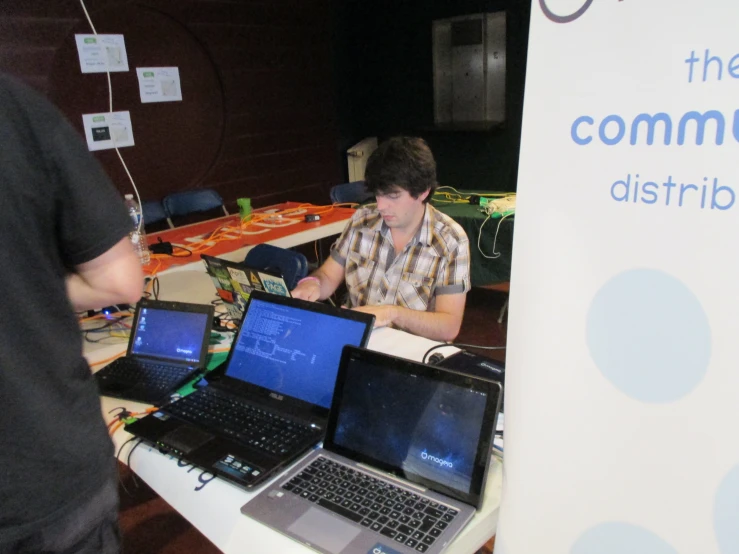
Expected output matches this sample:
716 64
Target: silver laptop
403 465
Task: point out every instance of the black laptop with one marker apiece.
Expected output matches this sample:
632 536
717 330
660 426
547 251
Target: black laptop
167 348
272 400
403 465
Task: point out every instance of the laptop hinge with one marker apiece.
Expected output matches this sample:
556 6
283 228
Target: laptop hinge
392 477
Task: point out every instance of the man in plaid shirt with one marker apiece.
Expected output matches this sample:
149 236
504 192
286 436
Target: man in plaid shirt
403 260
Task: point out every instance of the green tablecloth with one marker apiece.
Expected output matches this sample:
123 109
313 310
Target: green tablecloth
484 271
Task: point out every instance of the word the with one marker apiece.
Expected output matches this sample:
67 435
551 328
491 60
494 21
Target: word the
713 196
714 62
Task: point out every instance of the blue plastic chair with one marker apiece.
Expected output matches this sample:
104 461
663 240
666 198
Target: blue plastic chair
355 192
293 265
192 201
153 211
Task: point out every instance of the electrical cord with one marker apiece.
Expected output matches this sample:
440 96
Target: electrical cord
109 327
128 463
117 457
495 239
154 282
189 252
436 347
110 110
123 416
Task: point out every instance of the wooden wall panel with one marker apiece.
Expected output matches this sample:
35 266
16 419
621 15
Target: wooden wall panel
258 116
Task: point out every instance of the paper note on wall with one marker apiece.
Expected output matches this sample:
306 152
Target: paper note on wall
159 84
101 53
108 130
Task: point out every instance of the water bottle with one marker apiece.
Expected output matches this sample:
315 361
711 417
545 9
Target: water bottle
137 235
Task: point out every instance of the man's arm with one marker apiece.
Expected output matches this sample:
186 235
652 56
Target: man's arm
442 324
113 277
328 277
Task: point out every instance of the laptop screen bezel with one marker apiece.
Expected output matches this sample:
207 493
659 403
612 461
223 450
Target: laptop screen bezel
301 408
171 306
492 388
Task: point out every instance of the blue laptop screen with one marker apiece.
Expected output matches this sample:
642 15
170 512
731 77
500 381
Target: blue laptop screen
169 334
417 424
292 351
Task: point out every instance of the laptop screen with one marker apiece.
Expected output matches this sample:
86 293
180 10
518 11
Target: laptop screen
415 423
170 334
292 351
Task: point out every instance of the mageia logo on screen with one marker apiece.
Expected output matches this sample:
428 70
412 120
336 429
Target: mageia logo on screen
566 7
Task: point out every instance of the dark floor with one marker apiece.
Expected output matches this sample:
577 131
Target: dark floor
150 526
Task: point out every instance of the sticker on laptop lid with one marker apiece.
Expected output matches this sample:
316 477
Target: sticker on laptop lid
380 548
274 285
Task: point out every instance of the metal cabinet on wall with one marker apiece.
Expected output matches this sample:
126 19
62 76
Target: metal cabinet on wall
469 69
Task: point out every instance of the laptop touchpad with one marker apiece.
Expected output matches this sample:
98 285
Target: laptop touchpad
324 530
186 438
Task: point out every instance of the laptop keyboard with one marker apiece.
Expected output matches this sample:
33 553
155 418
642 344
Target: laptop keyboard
248 424
145 379
399 514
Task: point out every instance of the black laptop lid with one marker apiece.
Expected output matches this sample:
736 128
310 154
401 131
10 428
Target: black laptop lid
172 332
289 349
428 425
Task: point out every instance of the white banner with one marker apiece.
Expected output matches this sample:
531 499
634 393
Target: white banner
622 378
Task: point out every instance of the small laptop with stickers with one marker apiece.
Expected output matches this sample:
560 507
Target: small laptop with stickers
234 282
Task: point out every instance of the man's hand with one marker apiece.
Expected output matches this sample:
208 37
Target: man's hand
113 277
384 315
442 324
320 284
310 290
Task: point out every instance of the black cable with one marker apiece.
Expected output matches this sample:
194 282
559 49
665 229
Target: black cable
117 457
104 328
436 347
155 288
181 248
128 463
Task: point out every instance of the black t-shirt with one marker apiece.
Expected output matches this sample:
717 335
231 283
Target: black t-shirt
58 209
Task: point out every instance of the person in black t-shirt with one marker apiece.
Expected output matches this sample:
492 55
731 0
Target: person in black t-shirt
65 247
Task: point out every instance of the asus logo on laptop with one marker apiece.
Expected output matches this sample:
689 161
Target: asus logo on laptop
276 396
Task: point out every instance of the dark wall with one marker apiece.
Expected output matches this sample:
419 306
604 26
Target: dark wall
385 84
258 116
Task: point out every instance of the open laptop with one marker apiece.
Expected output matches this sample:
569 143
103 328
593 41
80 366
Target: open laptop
271 402
168 347
234 283
403 465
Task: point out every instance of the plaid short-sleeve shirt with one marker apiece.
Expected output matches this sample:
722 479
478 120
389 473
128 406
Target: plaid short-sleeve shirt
436 261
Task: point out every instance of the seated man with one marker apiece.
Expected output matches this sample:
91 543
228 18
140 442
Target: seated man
403 260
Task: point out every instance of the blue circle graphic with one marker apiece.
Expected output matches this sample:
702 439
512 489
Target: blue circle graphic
726 513
649 336
615 537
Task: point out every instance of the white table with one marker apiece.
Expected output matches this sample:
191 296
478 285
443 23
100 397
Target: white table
213 505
